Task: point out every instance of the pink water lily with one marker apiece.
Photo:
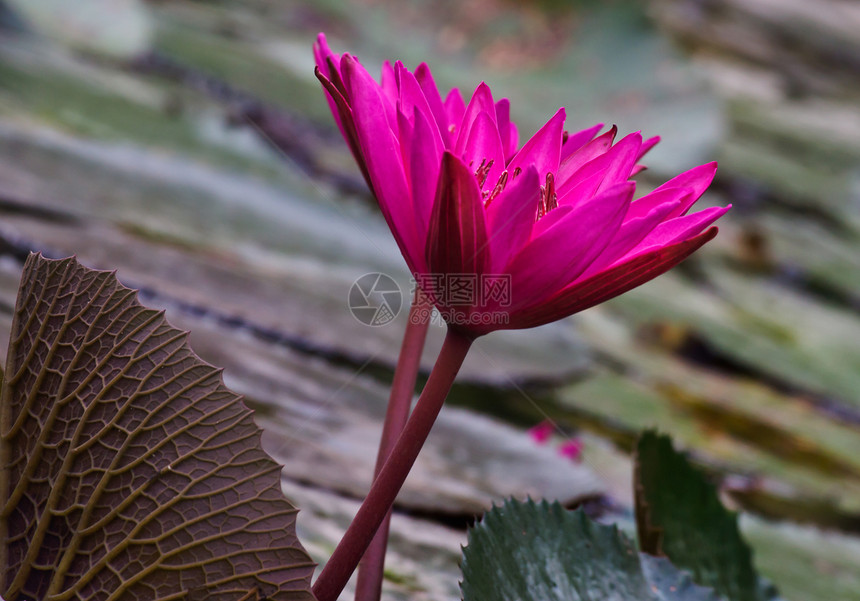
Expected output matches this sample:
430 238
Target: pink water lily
502 236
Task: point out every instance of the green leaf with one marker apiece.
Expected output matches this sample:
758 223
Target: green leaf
679 515
128 470
542 552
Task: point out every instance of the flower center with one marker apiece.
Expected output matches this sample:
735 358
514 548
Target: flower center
483 171
548 198
481 174
497 189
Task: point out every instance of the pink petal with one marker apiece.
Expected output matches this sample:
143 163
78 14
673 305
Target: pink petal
579 189
543 150
507 133
484 145
631 233
609 283
404 137
381 151
624 155
678 229
322 54
425 159
434 99
455 107
607 170
515 141
511 217
578 140
457 240
345 121
557 257
336 76
578 158
411 96
643 206
389 81
328 65
549 220
697 179
481 102
357 78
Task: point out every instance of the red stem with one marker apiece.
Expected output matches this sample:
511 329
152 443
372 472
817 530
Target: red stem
372 566
379 500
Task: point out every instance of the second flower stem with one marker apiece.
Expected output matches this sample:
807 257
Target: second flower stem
372 566
379 500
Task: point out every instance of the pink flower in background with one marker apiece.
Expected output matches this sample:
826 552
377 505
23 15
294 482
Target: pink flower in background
541 433
503 236
572 449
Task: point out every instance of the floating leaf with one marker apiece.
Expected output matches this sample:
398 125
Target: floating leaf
129 471
542 552
679 515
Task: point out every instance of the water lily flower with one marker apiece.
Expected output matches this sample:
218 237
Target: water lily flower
502 236
498 235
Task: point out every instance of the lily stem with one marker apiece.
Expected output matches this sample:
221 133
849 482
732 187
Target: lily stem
379 500
372 566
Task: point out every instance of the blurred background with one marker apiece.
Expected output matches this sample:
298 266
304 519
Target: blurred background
188 145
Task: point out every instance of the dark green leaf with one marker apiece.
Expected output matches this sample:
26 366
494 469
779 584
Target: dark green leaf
679 515
542 552
129 471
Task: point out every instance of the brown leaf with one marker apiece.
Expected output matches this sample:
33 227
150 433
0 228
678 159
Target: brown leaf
129 471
